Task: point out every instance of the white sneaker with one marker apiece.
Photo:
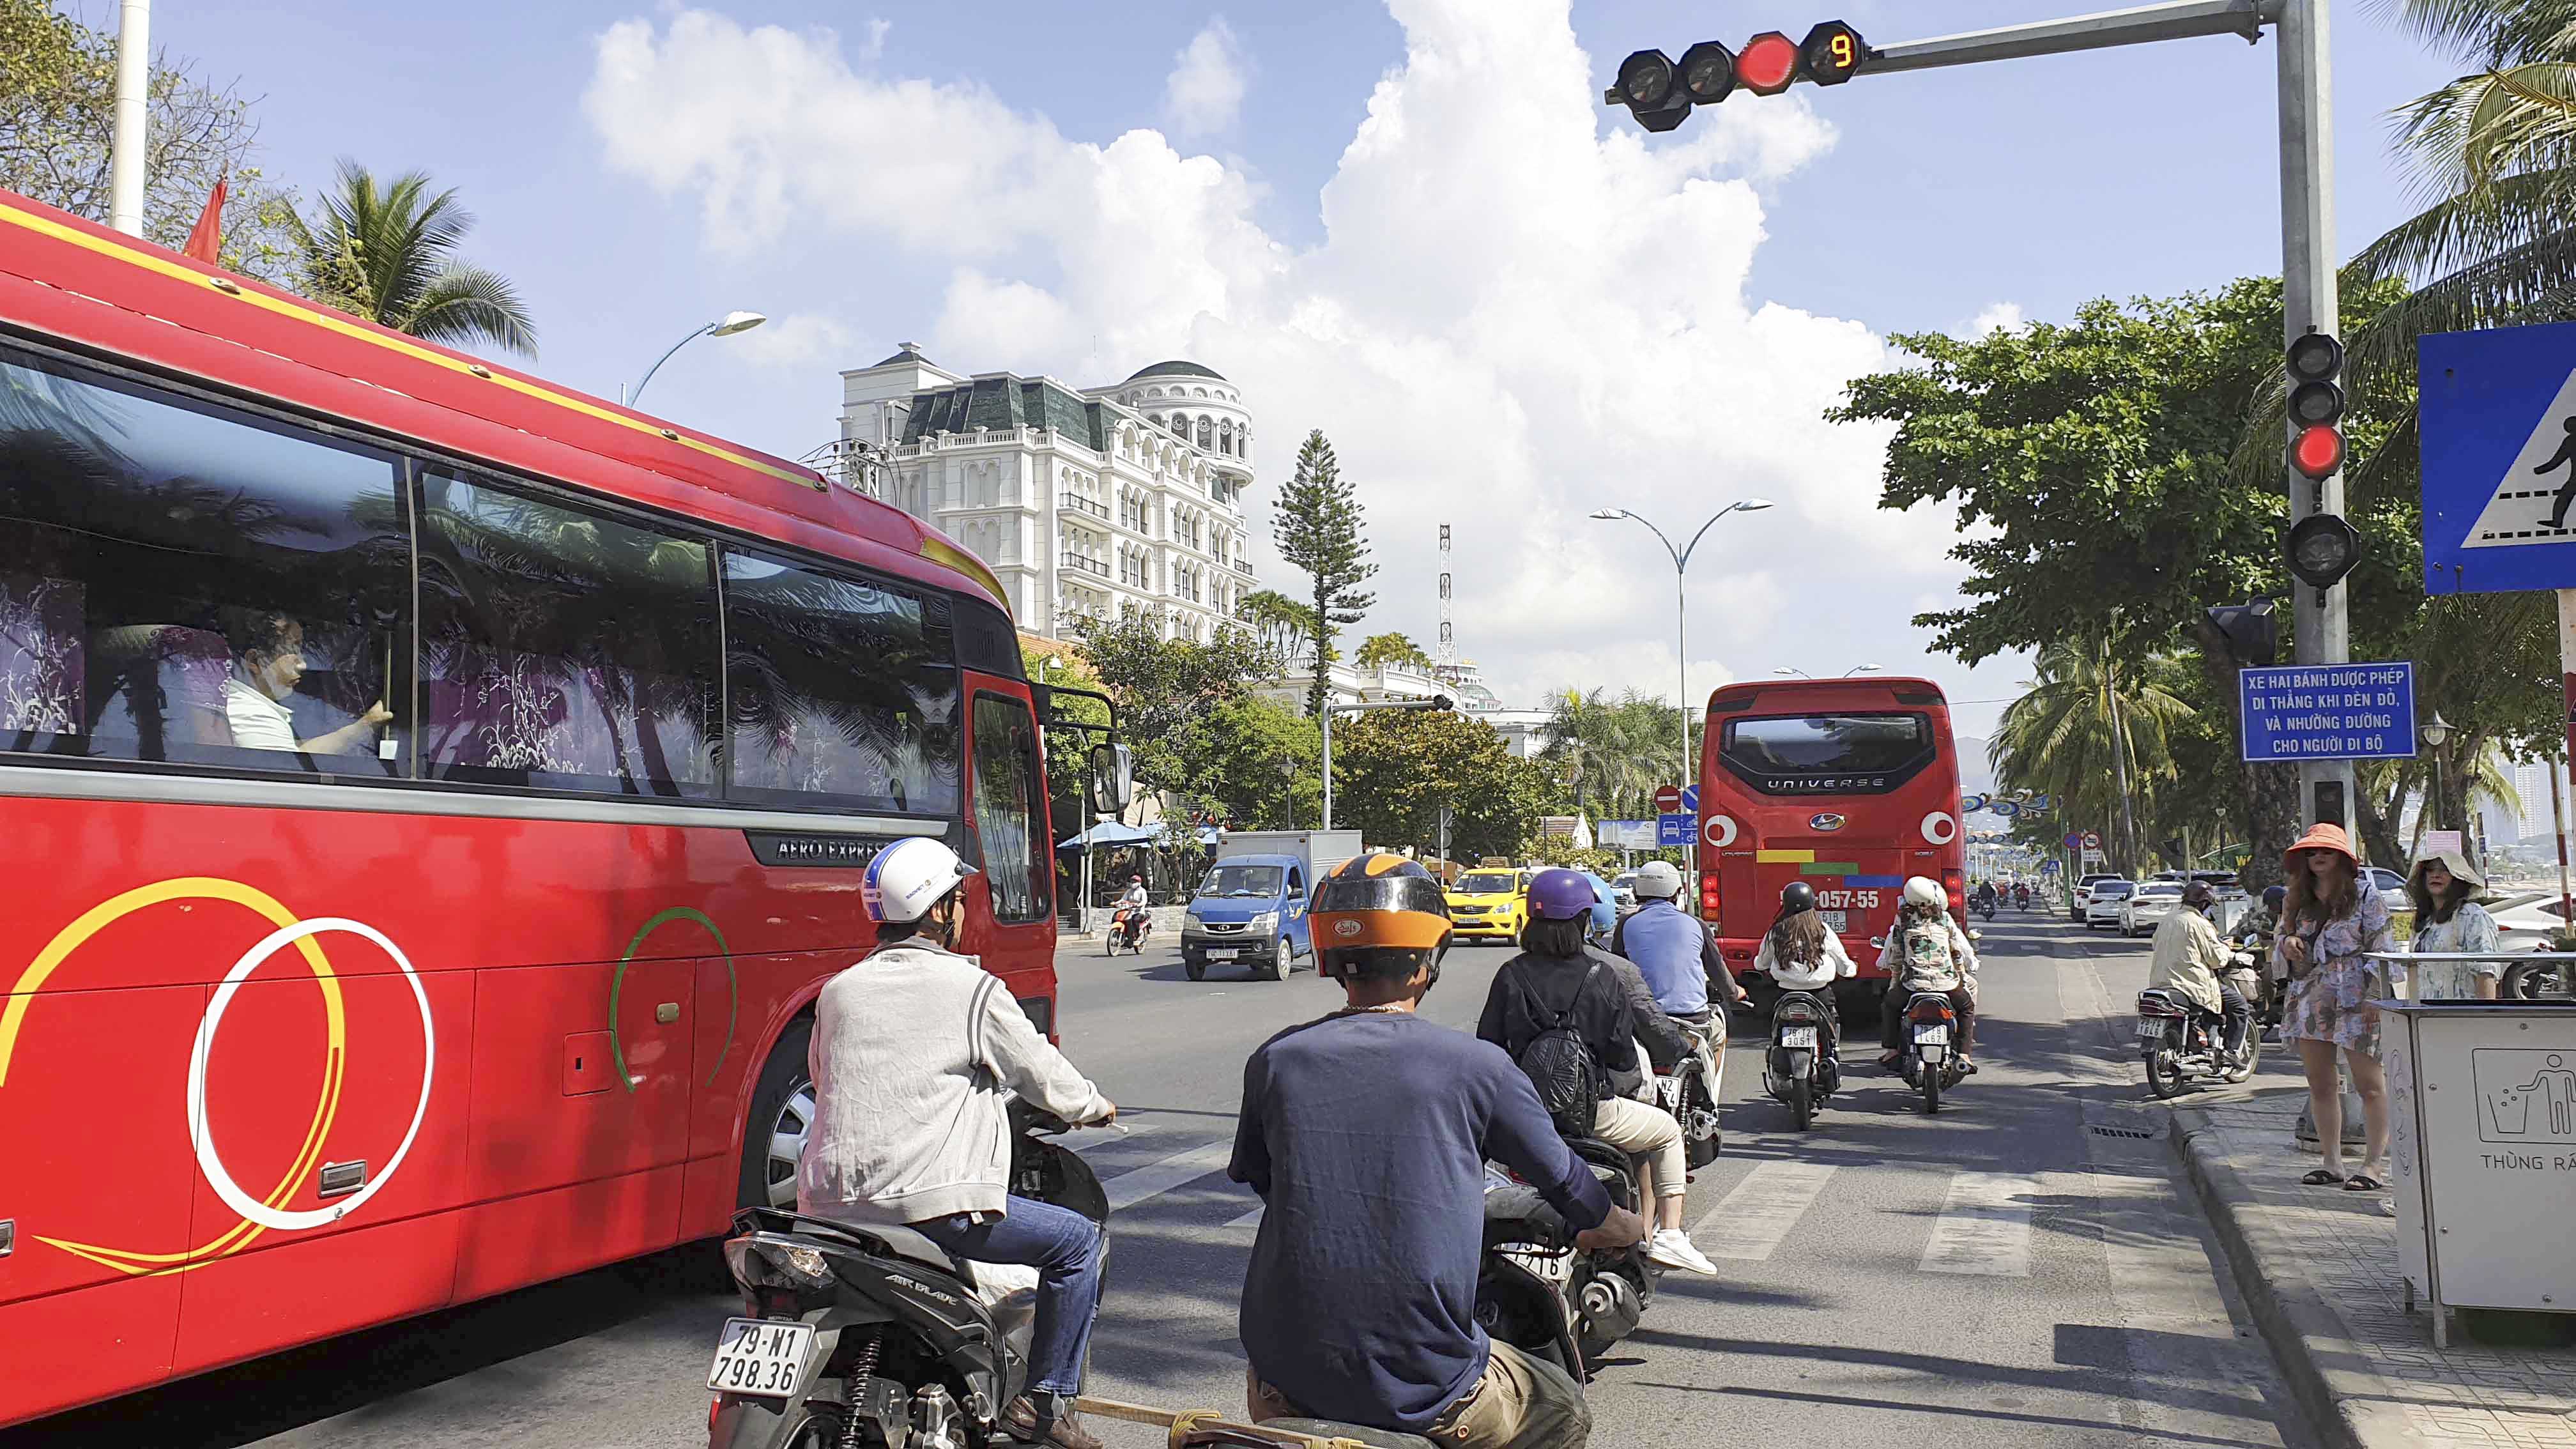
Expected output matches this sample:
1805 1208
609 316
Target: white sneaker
1672 1248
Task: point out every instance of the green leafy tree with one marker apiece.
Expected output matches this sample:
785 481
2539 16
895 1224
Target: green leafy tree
386 251
1267 765
58 122
2088 725
1393 770
1171 693
1390 651
1612 753
1319 526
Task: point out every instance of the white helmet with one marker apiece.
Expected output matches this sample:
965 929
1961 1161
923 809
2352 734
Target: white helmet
1659 879
910 876
1924 891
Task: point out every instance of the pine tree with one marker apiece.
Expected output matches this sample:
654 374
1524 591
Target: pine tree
1318 524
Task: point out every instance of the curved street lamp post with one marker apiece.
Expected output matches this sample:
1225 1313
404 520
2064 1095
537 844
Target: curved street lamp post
726 326
1681 622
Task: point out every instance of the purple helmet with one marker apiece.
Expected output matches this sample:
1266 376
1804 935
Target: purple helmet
1560 895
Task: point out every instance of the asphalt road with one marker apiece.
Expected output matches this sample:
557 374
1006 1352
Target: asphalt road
2025 1267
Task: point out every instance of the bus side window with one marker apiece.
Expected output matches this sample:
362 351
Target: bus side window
1007 781
186 584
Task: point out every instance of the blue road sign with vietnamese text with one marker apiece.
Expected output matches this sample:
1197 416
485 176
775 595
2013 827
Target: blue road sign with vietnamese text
2498 428
2328 712
1674 831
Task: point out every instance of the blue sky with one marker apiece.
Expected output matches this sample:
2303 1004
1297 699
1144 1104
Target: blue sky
1812 226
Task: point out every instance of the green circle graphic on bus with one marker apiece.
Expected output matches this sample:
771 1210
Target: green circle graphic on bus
617 984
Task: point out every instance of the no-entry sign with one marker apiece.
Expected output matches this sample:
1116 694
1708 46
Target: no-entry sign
1668 800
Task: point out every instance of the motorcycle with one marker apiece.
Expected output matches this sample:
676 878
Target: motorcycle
1985 906
1931 1063
2180 1042
1802 1066
1127 928
1596 1296
1691 1090
875 1336
2021 898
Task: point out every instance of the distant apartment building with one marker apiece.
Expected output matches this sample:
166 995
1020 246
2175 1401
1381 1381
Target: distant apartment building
1083 501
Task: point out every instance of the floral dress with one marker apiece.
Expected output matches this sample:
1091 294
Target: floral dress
2470 928
2329 1003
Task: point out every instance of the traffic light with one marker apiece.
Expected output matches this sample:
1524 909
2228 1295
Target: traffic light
2316 406
1660 94
1767 63
1651 90
2253 630
1830 53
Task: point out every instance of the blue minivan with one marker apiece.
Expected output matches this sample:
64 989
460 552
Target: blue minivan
1250 909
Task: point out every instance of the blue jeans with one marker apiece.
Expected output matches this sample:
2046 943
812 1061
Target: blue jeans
1064 1246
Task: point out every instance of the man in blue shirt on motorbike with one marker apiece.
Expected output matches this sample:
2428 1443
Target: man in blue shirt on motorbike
1366 1134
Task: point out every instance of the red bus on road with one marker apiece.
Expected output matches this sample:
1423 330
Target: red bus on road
1851 785
430 799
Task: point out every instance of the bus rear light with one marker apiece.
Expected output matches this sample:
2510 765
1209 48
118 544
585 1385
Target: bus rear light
1954 883
1708 896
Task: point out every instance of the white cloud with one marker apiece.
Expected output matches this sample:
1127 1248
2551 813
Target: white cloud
1521 311
874 48
2001 317
798 340
1205 89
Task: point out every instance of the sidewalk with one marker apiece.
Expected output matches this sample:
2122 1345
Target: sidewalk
2318 1269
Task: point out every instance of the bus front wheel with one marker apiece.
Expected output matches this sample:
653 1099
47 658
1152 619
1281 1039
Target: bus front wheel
782 1114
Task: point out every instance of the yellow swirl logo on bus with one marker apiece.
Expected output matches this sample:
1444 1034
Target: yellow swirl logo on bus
256 1215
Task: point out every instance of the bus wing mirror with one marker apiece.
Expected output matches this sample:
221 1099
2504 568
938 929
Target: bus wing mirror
1113 779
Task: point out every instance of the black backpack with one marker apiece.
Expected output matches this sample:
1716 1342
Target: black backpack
1560 1065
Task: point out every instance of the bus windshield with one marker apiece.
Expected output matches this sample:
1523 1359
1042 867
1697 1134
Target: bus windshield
1813 746
1260 881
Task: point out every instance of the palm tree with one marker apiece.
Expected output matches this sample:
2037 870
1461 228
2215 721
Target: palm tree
2092 732
387 252
1615 751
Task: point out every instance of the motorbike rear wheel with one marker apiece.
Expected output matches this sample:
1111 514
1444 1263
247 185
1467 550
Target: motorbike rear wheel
1802 1102
2164 1075
1931 1077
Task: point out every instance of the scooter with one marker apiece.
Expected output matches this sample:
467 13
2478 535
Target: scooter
1931 1060
1600 1295
1985 907
1694 1087
1127 929
2179 1042
874 1335
1802 1066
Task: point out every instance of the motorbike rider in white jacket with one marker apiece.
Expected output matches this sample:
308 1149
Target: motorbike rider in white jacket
1926 951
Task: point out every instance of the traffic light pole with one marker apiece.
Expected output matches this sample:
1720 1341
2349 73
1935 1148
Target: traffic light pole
2320 628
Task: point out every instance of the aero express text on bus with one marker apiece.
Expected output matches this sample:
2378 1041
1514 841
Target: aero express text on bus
1851 785
430 800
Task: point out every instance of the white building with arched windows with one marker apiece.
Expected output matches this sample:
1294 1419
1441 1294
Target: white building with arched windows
1083 502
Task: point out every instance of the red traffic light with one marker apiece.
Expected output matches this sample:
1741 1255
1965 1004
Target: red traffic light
1767 63
1831 53
2317 452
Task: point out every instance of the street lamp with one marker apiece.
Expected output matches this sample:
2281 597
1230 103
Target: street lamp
2437 733
1681 616
727 326
1785 672
1862 669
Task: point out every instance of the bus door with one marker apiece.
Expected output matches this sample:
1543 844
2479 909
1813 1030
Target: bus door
1015 935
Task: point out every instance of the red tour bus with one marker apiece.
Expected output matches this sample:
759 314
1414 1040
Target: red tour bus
431 799
1851 785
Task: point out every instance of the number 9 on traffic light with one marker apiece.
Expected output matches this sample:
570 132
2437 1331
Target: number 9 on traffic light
1833 53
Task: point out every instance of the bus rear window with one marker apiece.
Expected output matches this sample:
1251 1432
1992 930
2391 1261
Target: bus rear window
1846 753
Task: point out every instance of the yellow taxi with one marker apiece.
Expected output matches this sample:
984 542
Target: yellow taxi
1490 903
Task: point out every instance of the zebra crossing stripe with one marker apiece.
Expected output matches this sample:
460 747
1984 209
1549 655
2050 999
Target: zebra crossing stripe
1984 1227
1750 1222
1155 1178
1251 1219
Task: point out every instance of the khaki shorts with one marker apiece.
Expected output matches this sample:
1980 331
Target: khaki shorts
1520 1403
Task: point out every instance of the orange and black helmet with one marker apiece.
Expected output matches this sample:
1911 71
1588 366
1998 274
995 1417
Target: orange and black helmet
1378 915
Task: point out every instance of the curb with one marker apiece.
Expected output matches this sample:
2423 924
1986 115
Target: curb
2347 1405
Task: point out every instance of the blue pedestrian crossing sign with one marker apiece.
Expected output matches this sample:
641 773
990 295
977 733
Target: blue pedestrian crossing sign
2498 425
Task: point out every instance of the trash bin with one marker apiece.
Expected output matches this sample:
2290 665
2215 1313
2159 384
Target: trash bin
2482 1152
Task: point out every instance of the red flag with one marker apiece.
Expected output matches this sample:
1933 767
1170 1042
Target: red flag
206 238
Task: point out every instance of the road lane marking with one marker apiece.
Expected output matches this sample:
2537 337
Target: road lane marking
1756 1217
1984 1227
1155 1178
1251 1219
